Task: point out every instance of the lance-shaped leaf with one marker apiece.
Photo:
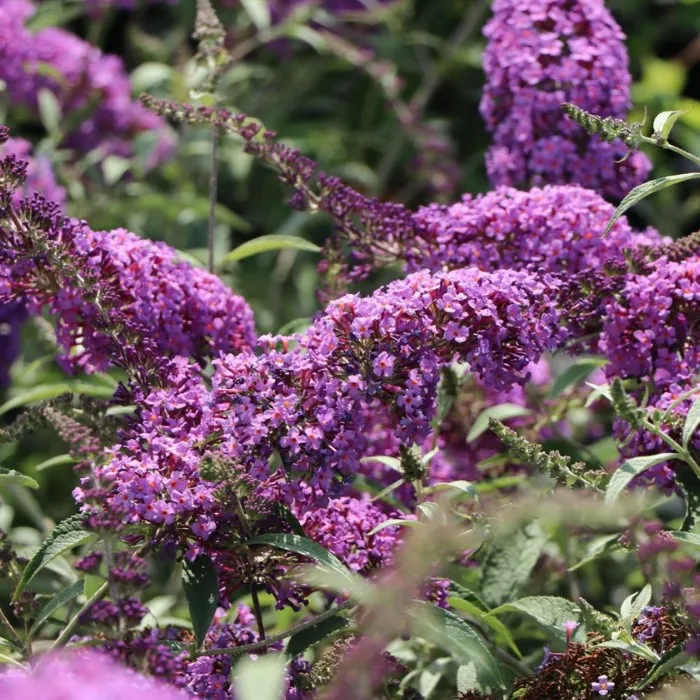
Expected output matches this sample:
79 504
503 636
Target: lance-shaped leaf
550 612
263 244
301 641
67 534
629 470
642 191
692 422
56 603
201 587
9 477
665 121
502 412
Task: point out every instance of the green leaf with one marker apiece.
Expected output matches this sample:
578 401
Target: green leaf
629 470
633 606
644 190
598 391
691 538
259 12
550 612
259 679
502 412
68 534
391 462
691 422
147 75
51 391
56 603
57 461
673 658
494 623
596 621
92 584
509 562
690 486
575 374
201 588
453 634
305 547
301 641
631 648
114 168
394 522
459 485
9 477
50 111
54 13
263 244
599 547
665 121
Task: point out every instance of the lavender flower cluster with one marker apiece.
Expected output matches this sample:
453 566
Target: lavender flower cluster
538 56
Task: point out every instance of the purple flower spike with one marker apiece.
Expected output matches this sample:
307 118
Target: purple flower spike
603 685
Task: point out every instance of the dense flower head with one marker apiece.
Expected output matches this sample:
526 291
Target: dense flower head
81 77
117 298
184 309
83 676
539 55
344 526
557 228
307 405
650 329
40 175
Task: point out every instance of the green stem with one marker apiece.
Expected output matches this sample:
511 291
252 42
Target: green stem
213 194
670 147
10 629
257 646
683 454
70 627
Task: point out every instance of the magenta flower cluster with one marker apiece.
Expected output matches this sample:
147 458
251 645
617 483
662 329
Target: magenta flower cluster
80 77
539 55
184 309
556 228
84 676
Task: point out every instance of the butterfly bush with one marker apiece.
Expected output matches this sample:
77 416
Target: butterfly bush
539 55
80 77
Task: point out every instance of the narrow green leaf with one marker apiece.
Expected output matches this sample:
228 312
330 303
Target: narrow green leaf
598 391
672 659
201 588
391 462
259 679
259 12
692 422
644 190
453 634
633 606
56 603
601 546
53 13
305 547
550 612
575 374
9 477
629 470
509 562
92 584
51 391
665 121
501 412
394 522
691 538
301 641
493 622
690 487
632 648
68 534
459 485
50 111
57 461
263 244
